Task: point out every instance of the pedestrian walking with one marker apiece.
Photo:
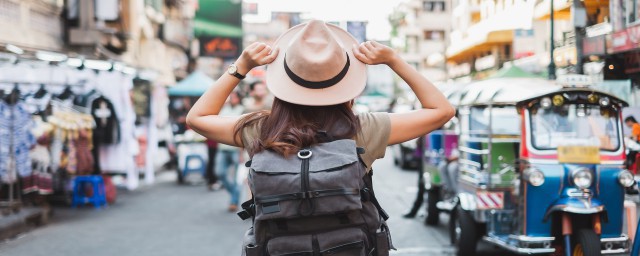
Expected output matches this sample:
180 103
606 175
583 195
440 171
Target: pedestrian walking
311 133
212 179
227 157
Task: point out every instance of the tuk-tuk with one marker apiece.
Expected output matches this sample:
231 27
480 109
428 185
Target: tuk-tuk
440 146
546 178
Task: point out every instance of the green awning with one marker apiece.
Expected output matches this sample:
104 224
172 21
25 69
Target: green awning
514 72
203 27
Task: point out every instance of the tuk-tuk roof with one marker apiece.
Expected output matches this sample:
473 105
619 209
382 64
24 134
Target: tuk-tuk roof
614 100
453 92
506 91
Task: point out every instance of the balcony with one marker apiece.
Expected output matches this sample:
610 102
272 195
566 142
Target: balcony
429 47
434 21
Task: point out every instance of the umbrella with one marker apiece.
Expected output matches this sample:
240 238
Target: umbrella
193 85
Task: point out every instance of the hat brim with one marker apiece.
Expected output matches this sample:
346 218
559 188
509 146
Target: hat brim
350 87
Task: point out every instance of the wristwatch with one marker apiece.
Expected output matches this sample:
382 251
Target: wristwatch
233 70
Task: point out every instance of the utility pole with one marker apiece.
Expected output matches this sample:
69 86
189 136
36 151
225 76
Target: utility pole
552 61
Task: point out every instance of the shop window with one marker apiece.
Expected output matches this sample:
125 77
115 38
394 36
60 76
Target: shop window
412 44
436 35
433 6
632 11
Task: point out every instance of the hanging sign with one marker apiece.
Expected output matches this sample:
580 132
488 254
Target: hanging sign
224 47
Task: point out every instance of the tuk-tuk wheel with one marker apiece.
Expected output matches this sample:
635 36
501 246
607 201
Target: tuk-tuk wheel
464 232
433 213
587 243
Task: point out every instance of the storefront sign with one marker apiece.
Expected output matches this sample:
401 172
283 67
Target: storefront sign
594 45
625 40
223 47
632 62
459 70
485 62
218 26
523 43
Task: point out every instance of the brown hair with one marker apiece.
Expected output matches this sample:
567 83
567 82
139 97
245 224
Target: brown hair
290 127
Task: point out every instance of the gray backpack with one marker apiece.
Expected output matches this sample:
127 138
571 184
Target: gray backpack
320 202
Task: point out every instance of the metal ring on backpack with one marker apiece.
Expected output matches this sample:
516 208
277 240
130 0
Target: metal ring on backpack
304 156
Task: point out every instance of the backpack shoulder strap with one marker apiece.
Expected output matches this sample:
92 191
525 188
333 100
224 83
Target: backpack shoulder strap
368 181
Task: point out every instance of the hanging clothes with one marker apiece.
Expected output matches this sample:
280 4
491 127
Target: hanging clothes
84 157
41 179
107 129
15 141
119 157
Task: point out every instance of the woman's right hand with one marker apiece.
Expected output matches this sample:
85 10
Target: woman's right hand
373 53
255 55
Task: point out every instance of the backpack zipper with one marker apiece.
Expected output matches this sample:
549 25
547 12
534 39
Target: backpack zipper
304 180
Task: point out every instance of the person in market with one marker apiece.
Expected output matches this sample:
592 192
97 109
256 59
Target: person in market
302 113
227 157
632 141
259 98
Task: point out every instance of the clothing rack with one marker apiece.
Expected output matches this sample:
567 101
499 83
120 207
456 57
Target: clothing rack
11 203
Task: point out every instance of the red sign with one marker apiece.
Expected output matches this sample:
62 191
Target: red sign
594 45
223 47
625 40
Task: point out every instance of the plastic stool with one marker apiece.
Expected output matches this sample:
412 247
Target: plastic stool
188 168
98 199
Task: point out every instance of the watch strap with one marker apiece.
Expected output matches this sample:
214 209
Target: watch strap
238 75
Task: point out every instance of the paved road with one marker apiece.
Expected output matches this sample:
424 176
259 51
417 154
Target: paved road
168 219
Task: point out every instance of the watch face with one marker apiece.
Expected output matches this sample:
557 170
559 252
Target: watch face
232 69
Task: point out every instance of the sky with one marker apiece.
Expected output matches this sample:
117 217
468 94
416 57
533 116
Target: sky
375 12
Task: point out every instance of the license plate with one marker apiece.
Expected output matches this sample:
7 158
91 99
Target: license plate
579 154
489 200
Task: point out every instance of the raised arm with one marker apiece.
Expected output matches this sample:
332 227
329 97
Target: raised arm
435 111
204 118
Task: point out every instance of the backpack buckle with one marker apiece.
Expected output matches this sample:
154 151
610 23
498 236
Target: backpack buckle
304 154
365 195
244 214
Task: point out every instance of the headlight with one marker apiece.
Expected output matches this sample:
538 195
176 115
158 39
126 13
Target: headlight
582 178
534 177
626 178
545 102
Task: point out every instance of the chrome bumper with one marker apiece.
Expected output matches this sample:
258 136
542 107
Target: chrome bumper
615 245
542 245
524 244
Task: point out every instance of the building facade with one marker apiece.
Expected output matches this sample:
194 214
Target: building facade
421 35
486 34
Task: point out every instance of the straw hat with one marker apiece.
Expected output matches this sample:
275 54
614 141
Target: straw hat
316 66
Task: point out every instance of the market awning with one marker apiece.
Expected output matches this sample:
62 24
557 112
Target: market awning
210 28
193 85
482 43
513 71
561 10
218 18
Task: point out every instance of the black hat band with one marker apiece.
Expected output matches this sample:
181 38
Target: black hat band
316 84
